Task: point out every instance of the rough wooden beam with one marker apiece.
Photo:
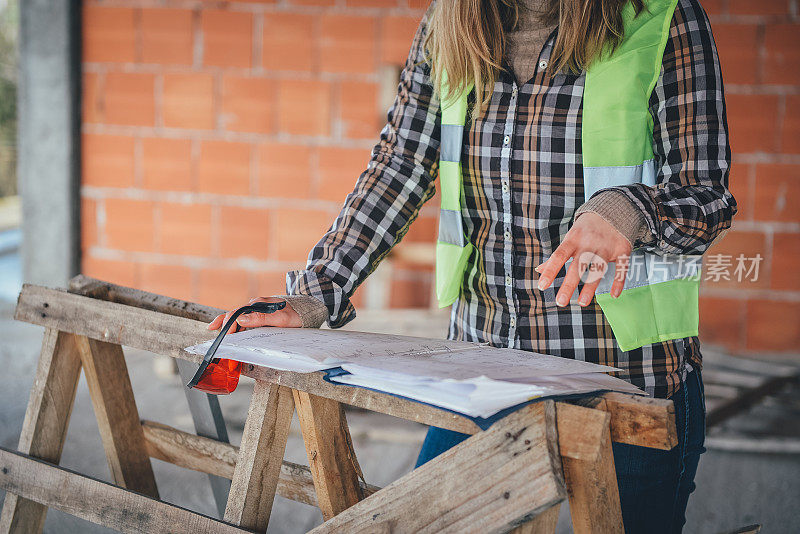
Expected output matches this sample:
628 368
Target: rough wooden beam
258 466
637 420
99 502
591 480
117 417
46 421
330 453
492 482
217 458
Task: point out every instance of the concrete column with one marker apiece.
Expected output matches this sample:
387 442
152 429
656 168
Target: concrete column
49 139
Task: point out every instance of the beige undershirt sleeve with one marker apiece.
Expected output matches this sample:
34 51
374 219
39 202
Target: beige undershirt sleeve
615 208
311 310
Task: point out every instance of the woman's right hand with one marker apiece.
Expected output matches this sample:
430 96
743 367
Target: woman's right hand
286 317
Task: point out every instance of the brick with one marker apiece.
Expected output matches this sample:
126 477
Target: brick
782 61
116 272
247 104
89 233
185 229
270 283
422 230
722 322
312 2
129 224
419 4
223 288
786 261
713 8
734 244
170 280
284 171
347 44
396 36
410 292
289 42
91 111
227 38
167 164
224 168
128 99
739 185
790 137
339 169
296 231
777 193
773 326
762 7
372 3
304 107
167 36
109 34
738 51
360 116
752 132
188 101
244 233
107 160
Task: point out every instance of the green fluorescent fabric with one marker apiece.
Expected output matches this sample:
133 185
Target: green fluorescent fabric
616 124
653 313
452 249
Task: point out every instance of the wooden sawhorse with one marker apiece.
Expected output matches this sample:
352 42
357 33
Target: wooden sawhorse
510 477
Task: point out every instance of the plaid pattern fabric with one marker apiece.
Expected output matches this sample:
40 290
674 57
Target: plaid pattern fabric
523 182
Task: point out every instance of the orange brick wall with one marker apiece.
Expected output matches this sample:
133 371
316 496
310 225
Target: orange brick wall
220 139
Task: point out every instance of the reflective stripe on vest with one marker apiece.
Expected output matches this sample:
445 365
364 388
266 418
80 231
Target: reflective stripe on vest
660 299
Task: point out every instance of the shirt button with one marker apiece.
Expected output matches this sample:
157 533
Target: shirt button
507 235
543 64
508 280
513 321
514 90
506 140
505 188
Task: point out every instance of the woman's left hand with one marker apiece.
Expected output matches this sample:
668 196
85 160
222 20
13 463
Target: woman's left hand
592 242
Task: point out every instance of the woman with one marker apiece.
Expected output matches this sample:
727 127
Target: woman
527 206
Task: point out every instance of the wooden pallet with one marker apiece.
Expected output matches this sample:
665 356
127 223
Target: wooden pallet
510 477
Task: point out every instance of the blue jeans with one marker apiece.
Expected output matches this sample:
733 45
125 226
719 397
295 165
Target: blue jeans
654 485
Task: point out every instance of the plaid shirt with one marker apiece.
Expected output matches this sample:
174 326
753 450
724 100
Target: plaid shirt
520 203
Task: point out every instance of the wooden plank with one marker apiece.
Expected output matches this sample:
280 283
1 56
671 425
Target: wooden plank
635 420
217 458
591 482
638 420
544 523
46 420
96 501
330 453
258 465
117 417
99 289
492 482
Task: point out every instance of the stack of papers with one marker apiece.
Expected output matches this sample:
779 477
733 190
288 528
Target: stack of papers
470 378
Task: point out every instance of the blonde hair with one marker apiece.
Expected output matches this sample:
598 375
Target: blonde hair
467 38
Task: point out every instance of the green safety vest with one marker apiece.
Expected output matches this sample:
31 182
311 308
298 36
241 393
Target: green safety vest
660 298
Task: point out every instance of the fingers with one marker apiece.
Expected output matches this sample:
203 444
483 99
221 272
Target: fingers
570 283
216 323
595 271
620 274
549 269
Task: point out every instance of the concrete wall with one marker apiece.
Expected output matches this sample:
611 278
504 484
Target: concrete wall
48 139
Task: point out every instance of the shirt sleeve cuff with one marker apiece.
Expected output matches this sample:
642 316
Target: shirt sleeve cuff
339 309
615 208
